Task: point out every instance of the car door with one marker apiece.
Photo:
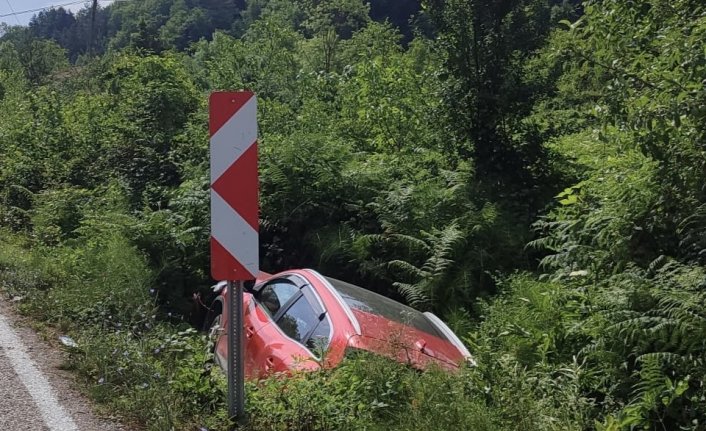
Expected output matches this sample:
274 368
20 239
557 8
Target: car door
299 329
266 302
257 314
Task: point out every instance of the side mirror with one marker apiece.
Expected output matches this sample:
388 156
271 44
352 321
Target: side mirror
218 287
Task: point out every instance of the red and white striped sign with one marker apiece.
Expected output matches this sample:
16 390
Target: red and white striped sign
234 186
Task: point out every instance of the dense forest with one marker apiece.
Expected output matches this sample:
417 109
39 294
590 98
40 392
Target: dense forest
533 171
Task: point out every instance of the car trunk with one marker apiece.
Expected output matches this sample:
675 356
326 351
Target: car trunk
396 330
403 343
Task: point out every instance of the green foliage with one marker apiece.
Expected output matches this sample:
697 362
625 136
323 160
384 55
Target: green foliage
98 278
411 165
367 393
485 45
156 24
531 321
58 213
156 378
145 369
185 25
36 58
627 235
523 347
389 101
80 34
647 328
433 240
656 110
605 221
263 60
343 17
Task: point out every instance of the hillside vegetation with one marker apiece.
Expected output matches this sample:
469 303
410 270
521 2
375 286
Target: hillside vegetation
532 171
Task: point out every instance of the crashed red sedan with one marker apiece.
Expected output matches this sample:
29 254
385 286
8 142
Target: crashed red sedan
301 320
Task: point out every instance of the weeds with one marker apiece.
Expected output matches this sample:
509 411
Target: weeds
149 371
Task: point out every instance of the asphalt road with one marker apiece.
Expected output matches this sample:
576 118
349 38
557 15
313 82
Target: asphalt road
35 393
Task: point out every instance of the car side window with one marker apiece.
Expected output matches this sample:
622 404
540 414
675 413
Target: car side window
319 338
275 294
298 320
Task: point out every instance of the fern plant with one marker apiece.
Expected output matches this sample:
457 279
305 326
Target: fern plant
692 231
428 279
437 242
651 330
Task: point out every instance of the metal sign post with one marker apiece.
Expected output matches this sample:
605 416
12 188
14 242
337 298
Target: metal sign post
234 220
236 352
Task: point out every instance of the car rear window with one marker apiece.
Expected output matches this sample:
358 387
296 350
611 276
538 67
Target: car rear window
361 299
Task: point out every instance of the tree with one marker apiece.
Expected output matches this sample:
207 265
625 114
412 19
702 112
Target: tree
486 43
38 57
151 100
329 22
185 25
55 24
399 13
78 33
146 39
388 102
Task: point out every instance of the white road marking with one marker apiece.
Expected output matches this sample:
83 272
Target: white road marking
54 415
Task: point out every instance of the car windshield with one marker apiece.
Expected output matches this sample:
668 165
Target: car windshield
371 302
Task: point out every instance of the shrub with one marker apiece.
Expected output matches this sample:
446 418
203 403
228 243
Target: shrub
525 346
156 378
368 393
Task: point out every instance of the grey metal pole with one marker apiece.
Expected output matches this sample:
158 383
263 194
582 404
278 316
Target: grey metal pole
236 360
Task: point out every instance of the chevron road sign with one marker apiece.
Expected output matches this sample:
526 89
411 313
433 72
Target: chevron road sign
234 186
234 220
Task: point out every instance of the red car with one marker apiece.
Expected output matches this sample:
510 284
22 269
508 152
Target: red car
301 320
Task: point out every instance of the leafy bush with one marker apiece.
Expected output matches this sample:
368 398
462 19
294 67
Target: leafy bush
157 378
607 219
647 332
367 392
58 213
526 348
